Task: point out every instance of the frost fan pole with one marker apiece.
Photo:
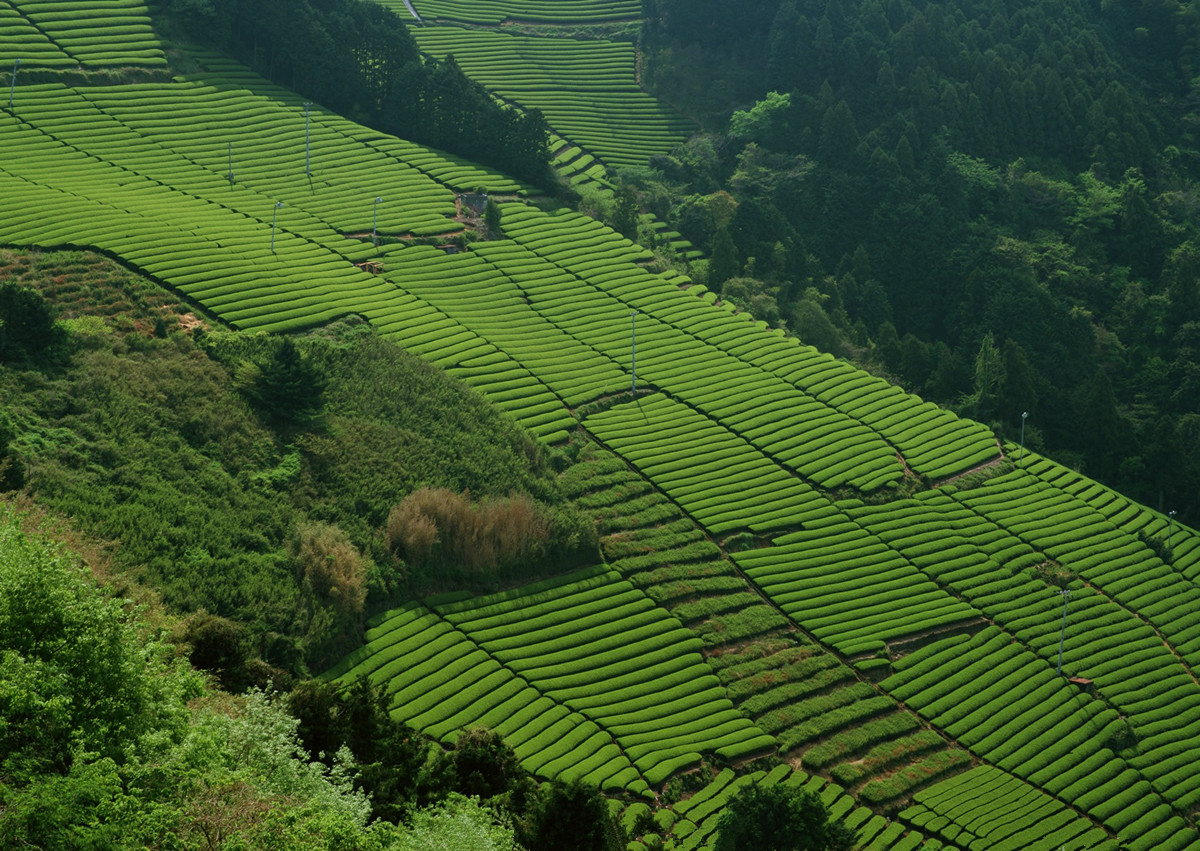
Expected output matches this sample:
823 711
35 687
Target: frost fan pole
633 347
12 87
307 149
274 216
374 221
229 176
1024 414
1066 595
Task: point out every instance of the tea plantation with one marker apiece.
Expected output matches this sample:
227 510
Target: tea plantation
809 576
575 61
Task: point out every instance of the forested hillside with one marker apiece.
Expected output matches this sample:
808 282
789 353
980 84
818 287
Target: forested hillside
993 202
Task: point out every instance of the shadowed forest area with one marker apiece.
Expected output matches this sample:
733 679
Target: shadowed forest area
994 204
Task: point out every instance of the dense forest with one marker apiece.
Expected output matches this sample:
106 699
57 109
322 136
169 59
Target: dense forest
359 60
992 203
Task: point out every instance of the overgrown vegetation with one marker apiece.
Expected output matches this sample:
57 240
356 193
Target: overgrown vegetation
449 537
97 744
989 202
108 739
249 478
780 818
402 772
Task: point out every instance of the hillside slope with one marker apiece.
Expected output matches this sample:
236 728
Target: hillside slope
832 494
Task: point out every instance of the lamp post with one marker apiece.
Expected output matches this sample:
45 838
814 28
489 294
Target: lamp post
374 221
274 216
12 87
1024 415
1066 595
307 149
633 347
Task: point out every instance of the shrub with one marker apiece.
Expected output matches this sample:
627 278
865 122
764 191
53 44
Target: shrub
438 529
333 580
484 765
571 817
219 647
779 818
27 328
1157 545
333 570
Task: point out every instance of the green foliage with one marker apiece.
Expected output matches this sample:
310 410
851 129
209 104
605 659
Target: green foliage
98 745
571 817
724 263
28 333
154 442
492 216
1014 178
12 470
458 824
219 646
484 766
1157 545
287 387
681 785
625 212
398 769
758 122
779 818
86 668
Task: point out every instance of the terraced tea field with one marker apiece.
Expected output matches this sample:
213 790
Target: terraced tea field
579 68
587 89
517 11
89 34
793 587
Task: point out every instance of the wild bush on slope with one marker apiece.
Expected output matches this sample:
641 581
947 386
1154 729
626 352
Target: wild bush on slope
98 745
447 534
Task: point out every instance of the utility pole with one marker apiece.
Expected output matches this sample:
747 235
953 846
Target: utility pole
274 216
12 87
633 347
1066 595
307 149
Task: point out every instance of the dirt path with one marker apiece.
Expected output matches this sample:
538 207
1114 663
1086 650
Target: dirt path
976 469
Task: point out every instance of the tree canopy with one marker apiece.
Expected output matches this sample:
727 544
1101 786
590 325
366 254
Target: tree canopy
779 818
908 178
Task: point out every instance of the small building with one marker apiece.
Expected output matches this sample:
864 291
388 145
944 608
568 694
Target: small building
373 267
1083 684
474 202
